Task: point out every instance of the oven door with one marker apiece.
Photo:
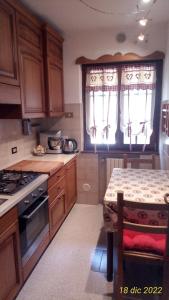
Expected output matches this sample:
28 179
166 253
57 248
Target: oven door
33 223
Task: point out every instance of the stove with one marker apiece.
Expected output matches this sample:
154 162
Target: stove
13 181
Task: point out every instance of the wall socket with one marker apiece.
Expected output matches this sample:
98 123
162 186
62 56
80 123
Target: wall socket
68 114
14 150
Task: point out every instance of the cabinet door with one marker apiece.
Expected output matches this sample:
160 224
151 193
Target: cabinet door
10 270
70 184
8 50
32 84
55 89
56 213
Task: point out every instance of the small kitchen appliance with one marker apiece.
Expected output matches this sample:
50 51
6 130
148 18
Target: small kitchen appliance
69 146
52 141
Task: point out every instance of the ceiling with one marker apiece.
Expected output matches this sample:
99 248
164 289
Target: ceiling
74 15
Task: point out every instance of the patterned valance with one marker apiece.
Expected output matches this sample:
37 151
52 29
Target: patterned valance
101 79
138 77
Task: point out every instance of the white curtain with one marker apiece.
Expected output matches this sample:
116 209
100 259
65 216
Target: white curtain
137 101
101 104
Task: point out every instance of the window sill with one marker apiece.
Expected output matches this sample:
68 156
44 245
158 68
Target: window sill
118 152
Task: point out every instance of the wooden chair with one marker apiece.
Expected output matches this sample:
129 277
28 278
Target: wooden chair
137 162
140 248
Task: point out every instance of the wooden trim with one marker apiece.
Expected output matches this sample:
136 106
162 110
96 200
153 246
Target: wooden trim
119 57
53 32
26 12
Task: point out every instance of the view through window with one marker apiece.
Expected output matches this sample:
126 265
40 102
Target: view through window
121 106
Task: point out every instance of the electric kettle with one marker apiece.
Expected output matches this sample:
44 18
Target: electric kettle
69 146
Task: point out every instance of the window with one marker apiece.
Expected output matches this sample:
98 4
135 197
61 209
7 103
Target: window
121 106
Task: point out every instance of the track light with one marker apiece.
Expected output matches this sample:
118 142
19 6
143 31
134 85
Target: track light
141 37
146 1
143 21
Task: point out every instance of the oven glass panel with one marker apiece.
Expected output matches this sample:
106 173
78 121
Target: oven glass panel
32 226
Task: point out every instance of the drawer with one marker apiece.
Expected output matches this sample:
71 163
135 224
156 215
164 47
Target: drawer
55 178
56 189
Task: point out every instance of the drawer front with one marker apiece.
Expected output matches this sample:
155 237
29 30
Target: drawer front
56 189
55 178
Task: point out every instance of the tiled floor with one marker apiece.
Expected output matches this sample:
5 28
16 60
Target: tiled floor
65 271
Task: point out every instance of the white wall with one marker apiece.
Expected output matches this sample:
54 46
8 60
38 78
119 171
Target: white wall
97 43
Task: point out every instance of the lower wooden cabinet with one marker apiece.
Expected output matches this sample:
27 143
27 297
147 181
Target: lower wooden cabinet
71 190
56 213
10 260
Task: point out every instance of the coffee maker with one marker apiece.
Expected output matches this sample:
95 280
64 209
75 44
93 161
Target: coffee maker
52 141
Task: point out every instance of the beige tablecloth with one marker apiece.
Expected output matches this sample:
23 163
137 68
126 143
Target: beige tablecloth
141 185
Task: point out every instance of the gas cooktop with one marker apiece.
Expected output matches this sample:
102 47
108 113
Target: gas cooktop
13 181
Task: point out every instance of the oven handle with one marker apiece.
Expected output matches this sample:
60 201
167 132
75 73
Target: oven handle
27 217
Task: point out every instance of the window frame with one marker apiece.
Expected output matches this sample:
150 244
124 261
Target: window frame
153 147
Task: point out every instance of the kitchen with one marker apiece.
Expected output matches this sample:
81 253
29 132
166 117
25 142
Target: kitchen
89 40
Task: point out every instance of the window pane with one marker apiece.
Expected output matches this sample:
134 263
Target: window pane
103 115
137 113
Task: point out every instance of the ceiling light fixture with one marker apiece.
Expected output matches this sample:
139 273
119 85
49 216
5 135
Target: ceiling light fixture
143 21
146 1
141 37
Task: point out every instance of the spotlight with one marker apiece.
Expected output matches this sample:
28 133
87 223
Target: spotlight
143 22
146 1
141 37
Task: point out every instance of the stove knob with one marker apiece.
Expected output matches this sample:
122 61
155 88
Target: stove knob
26 201
34 195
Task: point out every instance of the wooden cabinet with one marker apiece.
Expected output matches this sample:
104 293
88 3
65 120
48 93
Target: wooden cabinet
8 47
26 48
53 71
9 75
57 213
71 190
31 69
56 190
10 260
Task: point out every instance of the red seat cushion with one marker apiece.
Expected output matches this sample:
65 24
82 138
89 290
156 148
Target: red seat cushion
147 242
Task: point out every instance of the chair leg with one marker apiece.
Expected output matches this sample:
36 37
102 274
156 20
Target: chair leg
109 256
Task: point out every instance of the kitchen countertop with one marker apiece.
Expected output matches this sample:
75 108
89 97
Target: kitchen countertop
40 166
16 198
65 158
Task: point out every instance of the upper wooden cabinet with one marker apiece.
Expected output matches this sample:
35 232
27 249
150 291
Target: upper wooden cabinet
26 49
8 47
53 56
31 68
9 74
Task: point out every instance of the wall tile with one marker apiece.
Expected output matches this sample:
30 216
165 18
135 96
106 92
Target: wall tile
11 136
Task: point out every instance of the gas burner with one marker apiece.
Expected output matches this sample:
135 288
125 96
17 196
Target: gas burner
13 181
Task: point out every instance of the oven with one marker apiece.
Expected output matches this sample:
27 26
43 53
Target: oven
33 220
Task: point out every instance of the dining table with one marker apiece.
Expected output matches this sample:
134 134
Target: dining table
139 185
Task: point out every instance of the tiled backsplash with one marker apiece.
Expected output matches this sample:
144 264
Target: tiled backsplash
71 127
11 136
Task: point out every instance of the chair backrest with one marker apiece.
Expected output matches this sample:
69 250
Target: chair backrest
139 255
137 163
